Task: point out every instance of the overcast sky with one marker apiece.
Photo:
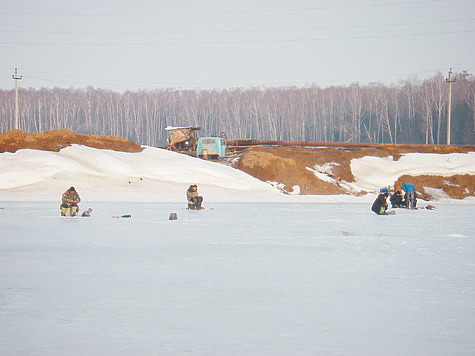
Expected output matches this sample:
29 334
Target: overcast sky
146 44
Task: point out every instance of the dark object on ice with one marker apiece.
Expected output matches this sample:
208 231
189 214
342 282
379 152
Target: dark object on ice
173 216
430 207
126 216
86 213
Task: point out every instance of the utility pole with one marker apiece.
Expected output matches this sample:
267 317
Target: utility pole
449 106
16 77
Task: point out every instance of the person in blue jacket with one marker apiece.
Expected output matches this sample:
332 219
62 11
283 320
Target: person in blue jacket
410 196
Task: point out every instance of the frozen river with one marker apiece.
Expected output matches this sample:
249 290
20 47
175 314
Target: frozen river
250 279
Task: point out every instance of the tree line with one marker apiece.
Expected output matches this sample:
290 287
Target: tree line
412 111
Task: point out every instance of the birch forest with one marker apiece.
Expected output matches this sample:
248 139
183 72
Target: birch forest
411 112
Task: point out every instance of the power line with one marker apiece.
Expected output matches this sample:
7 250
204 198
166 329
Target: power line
156 84
336 38
244 30
237 12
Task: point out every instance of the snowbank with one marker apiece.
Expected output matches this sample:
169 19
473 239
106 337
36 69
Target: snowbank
157 175
104 175
371 173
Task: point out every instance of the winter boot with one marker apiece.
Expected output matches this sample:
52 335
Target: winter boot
198 201
63 211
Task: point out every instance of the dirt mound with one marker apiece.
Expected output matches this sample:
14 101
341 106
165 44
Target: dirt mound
289 171
55 140
457 186
290 166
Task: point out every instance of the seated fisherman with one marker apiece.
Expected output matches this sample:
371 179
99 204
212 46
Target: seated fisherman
194 200
70 200
396 200
380 205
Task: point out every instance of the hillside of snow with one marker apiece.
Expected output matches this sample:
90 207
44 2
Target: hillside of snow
157 175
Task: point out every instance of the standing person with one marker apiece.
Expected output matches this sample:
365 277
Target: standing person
396 200
380 205
194 199
70 200
337 181
410 198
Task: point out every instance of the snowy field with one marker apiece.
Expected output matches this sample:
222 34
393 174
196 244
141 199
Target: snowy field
236 279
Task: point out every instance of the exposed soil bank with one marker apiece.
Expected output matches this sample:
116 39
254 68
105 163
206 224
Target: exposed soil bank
55 140
289 166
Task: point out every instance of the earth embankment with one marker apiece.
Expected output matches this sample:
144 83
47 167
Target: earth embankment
55 140
294 166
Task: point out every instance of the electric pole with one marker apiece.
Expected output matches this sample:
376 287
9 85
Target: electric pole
16 77
449 106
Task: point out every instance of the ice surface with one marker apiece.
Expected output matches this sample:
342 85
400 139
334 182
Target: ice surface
247 278
272 275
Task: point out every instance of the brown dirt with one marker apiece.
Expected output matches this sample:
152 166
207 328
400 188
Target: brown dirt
457 186
288 165
265 165
55 140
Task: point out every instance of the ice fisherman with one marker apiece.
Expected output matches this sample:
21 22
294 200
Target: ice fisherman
396 200
410 196
70 200
194 199
380 205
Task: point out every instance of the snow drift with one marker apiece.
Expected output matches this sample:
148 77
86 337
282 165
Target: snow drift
157 175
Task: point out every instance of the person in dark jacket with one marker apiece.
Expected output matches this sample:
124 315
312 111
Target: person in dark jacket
194 199
396 200
380 205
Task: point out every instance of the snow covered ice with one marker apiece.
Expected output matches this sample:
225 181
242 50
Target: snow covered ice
255 273
240 278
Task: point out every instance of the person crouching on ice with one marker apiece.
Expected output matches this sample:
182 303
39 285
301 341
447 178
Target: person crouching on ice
194 200
380 205
70 200
396 200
